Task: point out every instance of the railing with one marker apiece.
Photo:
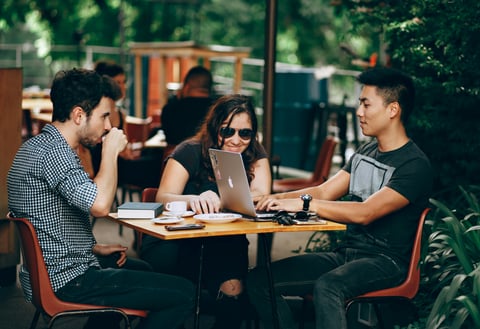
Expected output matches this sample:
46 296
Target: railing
39 69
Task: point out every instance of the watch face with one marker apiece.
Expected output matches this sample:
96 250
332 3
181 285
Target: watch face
306 197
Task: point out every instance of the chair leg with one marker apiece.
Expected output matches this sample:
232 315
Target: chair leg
301 322
378 314
124 316
33 324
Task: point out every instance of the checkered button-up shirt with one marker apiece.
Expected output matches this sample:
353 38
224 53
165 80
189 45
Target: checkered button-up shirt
48 185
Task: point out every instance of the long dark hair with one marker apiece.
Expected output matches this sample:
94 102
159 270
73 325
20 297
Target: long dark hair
225 107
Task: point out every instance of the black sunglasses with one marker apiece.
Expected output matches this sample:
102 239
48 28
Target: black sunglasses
227 132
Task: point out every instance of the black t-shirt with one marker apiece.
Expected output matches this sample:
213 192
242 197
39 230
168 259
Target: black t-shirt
406 170
189 155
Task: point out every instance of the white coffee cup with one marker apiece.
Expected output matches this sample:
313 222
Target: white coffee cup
176 208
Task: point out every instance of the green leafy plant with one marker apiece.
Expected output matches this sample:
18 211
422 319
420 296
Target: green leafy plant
451 265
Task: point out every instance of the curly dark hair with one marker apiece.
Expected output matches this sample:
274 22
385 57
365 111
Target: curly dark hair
80 87
226 107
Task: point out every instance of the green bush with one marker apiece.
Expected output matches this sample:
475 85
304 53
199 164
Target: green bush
450 268
438 43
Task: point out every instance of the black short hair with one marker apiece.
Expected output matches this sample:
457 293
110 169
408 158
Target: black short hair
393 86
200 78
108 67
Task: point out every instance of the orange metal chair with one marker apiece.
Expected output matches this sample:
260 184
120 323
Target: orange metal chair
404 292
320 174
44 298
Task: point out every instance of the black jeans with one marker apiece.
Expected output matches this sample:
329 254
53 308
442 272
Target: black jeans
224 258
168 298
332 277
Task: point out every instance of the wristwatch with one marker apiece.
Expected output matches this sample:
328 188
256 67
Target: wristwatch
306 201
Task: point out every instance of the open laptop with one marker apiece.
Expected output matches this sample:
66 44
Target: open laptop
233 185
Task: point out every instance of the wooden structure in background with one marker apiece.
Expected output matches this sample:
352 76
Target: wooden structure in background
10 136
170 61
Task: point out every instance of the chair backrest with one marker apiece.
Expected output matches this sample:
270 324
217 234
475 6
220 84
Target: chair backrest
43 295
148 194
137 129
410 286
324 160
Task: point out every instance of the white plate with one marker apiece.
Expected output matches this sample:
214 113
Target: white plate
167 220
187 213
218 218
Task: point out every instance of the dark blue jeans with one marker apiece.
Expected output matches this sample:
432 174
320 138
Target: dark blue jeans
169 299
224 258
332 277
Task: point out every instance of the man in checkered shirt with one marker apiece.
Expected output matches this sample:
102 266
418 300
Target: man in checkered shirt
48 185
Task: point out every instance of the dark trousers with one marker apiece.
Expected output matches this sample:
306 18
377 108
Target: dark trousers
168 298
224 258
332 277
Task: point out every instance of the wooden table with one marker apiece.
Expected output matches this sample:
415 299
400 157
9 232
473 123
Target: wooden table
36 109
37 104
243 226
155 141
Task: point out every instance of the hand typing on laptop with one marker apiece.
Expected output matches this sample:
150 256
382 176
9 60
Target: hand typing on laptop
271 203
205 203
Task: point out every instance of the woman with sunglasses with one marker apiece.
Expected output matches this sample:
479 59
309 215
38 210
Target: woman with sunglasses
230 125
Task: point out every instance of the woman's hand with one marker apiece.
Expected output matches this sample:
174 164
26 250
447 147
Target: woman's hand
207 202
108 249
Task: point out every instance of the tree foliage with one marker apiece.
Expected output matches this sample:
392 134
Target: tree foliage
308 31
437 42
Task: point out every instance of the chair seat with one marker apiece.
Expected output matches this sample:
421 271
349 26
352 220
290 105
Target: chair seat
405 291
43 296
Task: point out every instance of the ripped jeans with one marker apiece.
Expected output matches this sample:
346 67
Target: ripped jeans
332 277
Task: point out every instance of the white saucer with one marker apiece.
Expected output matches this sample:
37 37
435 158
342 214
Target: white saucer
167 220
218 218
187 213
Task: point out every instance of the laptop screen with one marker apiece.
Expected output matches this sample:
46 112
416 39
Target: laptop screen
232 182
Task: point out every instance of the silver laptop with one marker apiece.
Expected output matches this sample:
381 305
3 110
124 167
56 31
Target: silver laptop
233 185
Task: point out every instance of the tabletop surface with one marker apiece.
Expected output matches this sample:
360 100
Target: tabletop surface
241 226
33 104
155 141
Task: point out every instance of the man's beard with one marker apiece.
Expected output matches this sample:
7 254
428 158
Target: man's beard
88 143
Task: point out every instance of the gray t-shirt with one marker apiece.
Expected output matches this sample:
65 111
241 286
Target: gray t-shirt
406 170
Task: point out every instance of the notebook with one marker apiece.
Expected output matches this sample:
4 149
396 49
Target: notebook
233 185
